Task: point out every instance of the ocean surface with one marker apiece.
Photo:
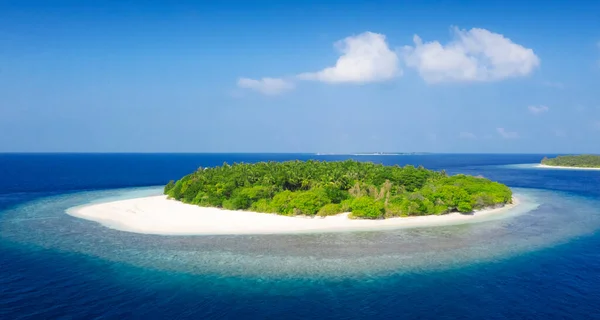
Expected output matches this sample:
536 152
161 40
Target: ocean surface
541 261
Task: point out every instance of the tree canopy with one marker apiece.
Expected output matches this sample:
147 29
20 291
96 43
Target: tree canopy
367 190
580 161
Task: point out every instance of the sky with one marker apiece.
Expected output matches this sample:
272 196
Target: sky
300 76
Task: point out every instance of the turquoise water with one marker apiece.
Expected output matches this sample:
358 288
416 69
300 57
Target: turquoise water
538 261
539 221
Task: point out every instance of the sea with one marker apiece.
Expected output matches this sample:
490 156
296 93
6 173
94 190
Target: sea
540 261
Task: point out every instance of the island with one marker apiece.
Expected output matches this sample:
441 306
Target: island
389 153
584 161
374 154
305 197
364 189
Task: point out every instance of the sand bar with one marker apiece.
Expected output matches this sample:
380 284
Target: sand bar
544 166
159 215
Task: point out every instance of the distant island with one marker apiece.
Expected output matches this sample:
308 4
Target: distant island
573 161
389 153
375 154
322 188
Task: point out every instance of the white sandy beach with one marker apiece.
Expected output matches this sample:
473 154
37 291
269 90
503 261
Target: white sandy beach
159 215
543 166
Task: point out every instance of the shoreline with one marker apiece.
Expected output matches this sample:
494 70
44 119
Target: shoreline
161 216
545 166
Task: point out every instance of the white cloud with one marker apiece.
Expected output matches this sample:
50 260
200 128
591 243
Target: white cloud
365 58
268 86
473 55
507 134
538 109
467 135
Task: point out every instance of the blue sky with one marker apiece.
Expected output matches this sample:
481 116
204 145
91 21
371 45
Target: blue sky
305 76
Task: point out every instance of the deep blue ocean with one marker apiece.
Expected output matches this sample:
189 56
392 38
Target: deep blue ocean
542 262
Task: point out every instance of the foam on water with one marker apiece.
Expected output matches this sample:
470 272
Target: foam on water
543 219
537 166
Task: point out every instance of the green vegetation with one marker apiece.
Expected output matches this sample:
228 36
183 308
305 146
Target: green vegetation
367 190
579 161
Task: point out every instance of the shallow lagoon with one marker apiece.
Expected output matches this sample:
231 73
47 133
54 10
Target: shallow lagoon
543 219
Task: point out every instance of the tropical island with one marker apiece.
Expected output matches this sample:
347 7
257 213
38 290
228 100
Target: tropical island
299 197
366 190
584 161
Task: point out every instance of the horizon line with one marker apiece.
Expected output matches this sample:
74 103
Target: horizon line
292 153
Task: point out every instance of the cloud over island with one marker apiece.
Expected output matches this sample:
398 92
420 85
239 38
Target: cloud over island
467 135
538 109
473 55
365 58
507 134
268 86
